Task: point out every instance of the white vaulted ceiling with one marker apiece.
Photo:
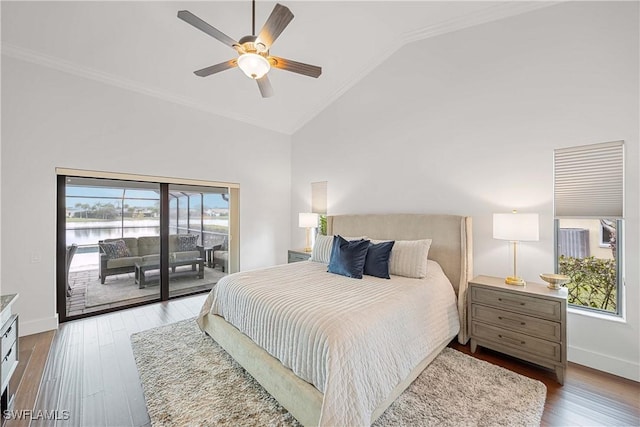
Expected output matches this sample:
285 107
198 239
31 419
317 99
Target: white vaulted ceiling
143 46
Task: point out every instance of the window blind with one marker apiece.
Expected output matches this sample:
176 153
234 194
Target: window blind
319 197
589 181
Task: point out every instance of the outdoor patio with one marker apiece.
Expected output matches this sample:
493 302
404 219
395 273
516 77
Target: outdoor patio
102 213
89 295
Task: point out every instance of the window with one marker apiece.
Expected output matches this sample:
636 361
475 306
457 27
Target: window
588 208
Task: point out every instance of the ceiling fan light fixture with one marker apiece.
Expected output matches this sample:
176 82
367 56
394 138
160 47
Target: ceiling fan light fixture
253 65
255 60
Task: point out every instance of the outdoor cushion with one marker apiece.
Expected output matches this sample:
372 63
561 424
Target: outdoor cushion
123 262
187 242
151 258
148 245
221 258
115 249
186 255
131 242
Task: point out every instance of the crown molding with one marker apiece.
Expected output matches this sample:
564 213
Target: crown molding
70 67
492 13
495 12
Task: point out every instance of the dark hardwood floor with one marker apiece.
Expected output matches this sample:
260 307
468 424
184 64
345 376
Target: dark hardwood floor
587 398
91 374
32 358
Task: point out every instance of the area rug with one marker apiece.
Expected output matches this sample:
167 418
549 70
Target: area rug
189 380
122 287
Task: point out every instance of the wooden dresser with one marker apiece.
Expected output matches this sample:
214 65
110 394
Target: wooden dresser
528 322
8 348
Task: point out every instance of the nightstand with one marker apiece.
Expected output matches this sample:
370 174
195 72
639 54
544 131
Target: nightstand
528 322
297 255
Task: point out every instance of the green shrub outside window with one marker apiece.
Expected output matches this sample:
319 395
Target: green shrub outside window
593 282
592 261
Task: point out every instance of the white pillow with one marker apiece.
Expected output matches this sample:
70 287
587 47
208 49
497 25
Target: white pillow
322 248
409 258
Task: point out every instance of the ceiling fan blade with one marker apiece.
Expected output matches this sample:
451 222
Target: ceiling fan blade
216 68
275 24
266 90
296 67
192 19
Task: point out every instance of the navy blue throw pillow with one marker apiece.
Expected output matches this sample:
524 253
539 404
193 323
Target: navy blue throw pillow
377 261
348 257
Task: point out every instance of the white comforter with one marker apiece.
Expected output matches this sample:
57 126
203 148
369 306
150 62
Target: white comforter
354 340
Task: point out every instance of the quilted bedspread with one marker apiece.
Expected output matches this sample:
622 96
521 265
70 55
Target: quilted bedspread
354 340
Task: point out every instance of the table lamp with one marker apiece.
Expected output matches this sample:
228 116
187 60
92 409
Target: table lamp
515 227
308 221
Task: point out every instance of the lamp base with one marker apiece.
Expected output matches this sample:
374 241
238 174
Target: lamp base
308 249
516 281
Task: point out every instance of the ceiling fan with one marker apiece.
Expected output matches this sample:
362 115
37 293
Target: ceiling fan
254 58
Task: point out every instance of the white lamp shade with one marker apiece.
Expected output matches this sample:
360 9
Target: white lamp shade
307 220
515 227
253 65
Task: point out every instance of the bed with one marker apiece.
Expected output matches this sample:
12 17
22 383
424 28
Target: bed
330 360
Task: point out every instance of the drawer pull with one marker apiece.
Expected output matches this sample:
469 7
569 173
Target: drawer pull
6 334
8 354
512 320
513 340
510 301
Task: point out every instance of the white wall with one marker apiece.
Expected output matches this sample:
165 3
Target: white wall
466 123
51 119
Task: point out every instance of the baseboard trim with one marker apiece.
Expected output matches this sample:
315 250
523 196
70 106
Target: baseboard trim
603 362
38 325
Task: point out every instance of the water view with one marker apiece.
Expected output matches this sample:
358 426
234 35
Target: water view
88 233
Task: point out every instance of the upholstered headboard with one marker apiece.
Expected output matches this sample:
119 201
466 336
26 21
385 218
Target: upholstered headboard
451 244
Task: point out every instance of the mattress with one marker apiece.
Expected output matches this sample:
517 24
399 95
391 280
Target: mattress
354 340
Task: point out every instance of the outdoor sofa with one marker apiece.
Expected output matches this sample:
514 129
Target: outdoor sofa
118 256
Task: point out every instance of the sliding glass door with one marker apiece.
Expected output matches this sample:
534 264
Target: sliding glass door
123 242
198 237
111 228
